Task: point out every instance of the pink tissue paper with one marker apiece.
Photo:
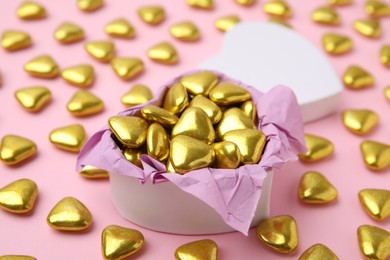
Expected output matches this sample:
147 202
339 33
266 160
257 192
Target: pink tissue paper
233 193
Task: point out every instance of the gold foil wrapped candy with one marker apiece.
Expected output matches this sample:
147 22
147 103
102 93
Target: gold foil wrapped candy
159 115
356 77
16 149
315 188
120 28
208 106
152 15
69 138
201 4
245 2
33 99
318 252
277 8
249 109
84 103
29 10
250 142
385 55
225 23
92 172
325 15
377 8
163 52
12 40
80 76
131 131
138 94
157 142
387 93
133 155
200 83
17 257
340 2
127 68
187 154
226 93
368 27
90 5
185 31
227 155
376 155
319 148
376 202
176 99
205 249
374 242
69 214
360 121
280 233
279 21
42 66
18 196
69 33
103 51
119 242
336 44
233 119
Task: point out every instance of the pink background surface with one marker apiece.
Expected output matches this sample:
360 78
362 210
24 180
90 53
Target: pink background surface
53 170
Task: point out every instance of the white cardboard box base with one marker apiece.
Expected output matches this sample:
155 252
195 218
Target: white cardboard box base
164 207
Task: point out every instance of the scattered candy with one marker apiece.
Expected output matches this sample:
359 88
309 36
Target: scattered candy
131 131
17 257
119 242
374 242
120 28
201 4
199 83
84 103
33 99
138 94
69 214
377 8
18 196
277 8
80 76
368 27
157 142
336 43
279 21
340 2
280 233
92 172
356 77
376 155
69 33
194 122
250 142
227 155
314 188
325 15
127 68
159 115
103 51
163 52
233 119
90 5
376 202
385 55
176 99
13 40
208 106
42 66
245 2
319 148
318 252
133 155
69 138
205 249
31 11
185 31
387 93
16 149
225 23
188 154
152 15
360 121
249 109
226 93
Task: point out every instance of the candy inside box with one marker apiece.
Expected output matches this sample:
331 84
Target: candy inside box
207 200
